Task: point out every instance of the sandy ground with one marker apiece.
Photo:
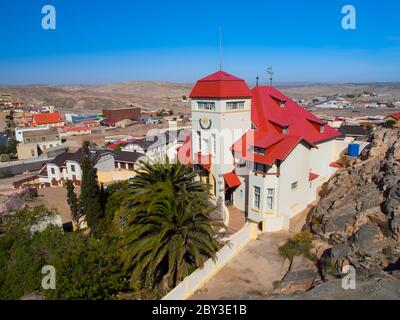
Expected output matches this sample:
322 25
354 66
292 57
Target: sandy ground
251 274
56 198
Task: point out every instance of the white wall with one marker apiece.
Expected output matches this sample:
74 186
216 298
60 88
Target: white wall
57 172
69 174
198 278
228 126
295 169
106 163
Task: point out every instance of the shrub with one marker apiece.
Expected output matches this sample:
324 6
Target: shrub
300 245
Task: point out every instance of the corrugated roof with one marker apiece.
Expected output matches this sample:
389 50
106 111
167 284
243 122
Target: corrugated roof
47 118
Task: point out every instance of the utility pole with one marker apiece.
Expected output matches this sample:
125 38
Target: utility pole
270 74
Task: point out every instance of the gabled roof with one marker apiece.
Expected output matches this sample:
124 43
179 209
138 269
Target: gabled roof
221 85
278 149
47 118
312 176
266 111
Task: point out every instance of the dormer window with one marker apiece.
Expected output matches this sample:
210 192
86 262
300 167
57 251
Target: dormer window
258 150
285 130
322 129
282 103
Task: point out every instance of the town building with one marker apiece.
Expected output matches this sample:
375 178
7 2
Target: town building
394 117
47 120
70 131
19 132
258 150
39 142
79 118
158 147
116 115
111 166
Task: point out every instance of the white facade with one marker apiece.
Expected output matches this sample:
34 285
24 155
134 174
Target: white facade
215 131
270 195
19 132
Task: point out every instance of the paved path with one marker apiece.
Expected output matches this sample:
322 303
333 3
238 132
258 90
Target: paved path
237 220
251 274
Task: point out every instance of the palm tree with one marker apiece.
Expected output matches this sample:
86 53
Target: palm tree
169 232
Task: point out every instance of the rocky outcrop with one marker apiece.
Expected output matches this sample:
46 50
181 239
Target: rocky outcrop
357 221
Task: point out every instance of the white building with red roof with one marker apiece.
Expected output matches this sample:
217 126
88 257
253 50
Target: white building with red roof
258 150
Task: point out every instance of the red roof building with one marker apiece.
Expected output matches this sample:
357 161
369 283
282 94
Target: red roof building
284 153
48 119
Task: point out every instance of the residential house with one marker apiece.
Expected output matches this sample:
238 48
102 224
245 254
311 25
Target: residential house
109 165
158 147
38 142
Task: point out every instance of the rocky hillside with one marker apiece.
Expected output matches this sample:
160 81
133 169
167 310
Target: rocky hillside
357 223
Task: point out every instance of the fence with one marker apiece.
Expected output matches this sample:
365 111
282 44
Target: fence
198 278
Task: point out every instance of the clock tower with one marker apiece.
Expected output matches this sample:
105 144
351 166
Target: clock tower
221 115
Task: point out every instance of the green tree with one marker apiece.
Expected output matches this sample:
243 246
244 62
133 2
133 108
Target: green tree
90 195
73 203
169 231
89 269
86 268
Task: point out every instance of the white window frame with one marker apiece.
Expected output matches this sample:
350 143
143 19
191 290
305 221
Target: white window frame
295 185
257 197
206 105
270 198
235 105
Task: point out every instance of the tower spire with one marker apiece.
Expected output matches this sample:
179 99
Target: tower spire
220 48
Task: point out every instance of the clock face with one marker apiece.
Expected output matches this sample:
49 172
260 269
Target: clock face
205 123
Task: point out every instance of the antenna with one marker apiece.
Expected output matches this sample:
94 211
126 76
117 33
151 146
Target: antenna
220 48
257 78
271 74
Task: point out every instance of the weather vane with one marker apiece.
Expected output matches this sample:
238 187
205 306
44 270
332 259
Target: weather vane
271 74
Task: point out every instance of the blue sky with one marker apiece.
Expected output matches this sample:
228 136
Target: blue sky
99 41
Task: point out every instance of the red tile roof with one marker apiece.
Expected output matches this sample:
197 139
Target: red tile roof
232 180
113 146
313 176
395 115
336 165
266 111
46 118
221 85
278 150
